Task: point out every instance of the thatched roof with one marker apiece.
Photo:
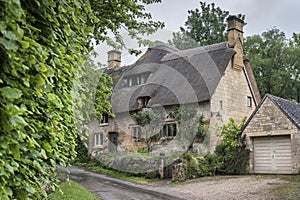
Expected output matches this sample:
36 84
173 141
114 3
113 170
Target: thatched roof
176 77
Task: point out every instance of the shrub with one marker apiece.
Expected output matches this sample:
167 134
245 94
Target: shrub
232 154
142 150
81 150
233 161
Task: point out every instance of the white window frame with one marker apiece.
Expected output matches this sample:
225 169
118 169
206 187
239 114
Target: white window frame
98 139
104 122
249 102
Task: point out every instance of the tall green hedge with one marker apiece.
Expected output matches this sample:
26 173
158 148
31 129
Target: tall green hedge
42 44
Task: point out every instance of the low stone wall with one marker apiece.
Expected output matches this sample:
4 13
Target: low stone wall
139 164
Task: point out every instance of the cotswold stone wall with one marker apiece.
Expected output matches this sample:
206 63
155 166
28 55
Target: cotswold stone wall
151 165
229 101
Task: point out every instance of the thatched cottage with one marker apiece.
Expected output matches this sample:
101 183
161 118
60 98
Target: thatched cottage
216 81
273 134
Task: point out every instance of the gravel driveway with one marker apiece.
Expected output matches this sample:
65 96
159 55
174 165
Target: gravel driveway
230 187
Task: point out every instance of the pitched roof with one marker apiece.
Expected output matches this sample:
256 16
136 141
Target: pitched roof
289 108
176 77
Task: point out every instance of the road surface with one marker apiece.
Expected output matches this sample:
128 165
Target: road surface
108 188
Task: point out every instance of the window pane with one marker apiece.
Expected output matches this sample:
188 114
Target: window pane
249 101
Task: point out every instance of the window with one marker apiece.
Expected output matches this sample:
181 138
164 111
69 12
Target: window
169 130
136 134
137 79
104 120
221 105
143 102
98 139
249 102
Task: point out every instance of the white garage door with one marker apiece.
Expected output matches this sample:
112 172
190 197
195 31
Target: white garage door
272 155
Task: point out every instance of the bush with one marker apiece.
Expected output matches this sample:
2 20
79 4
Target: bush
234 160
232 154
81 150
200 166
142 150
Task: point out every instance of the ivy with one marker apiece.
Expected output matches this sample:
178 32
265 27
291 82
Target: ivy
41 50
43 45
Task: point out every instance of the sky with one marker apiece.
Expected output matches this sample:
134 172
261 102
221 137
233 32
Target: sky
261 15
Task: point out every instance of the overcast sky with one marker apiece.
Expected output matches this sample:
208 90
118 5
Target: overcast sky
261 15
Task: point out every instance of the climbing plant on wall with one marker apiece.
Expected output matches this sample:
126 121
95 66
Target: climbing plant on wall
42 47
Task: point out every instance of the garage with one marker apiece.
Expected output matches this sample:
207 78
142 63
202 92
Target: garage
272 155
273 137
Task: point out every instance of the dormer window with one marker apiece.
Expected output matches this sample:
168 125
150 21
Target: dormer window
104 120
143 102
137 79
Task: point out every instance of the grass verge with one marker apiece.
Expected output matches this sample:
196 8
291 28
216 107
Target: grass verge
93 166
291 190
72 191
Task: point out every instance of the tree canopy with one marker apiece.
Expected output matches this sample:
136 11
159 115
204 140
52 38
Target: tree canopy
275 62
43 45
203 27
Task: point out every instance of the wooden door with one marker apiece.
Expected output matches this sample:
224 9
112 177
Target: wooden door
272 155
113 141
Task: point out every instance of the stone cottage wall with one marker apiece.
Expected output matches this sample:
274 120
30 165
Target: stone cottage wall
230 101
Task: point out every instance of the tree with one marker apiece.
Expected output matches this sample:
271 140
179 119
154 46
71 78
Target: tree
43 45
191 128
203 27
150 120
275 62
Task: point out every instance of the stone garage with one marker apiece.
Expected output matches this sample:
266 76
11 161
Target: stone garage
273 137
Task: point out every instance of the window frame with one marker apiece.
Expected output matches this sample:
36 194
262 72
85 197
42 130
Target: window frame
166 130
104 120
136 133
98 139
249 102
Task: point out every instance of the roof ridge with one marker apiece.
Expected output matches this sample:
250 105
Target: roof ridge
195 51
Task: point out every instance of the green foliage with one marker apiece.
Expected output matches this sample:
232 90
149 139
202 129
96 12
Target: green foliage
95 167
42 48
142 150
203 27
128 15
233 156
275 62
200 166
230 133
103 92
182 41
149 119
86 89
72 191
81 150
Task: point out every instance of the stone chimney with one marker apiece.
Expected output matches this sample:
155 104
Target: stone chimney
114 59
235 40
